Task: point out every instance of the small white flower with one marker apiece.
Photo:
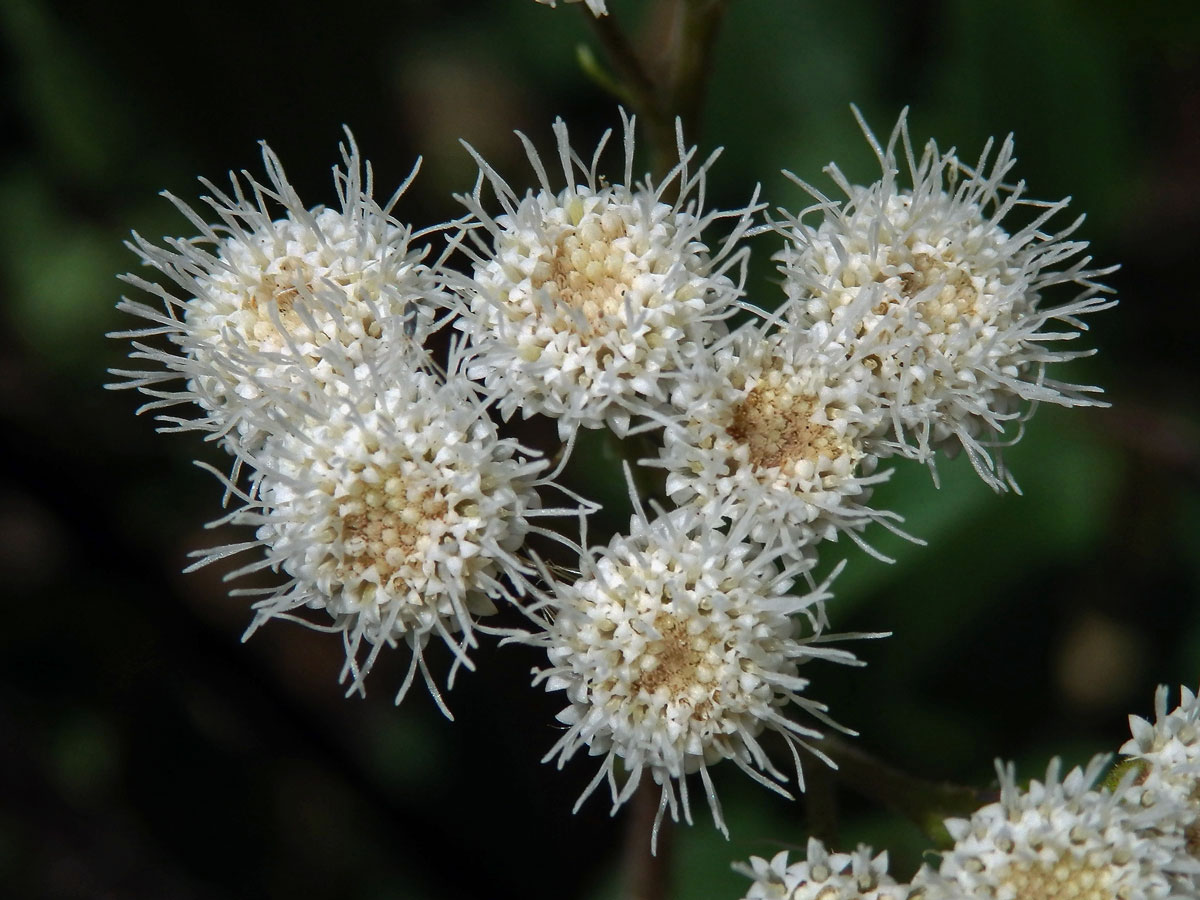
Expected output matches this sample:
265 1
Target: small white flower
597 7
822 876
954 294
676 647
1167 756
1054 840
397 510
772 426
588 301
1168 750
261 298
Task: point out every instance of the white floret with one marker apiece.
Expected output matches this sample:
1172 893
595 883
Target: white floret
822 875
395 510
1056 840
931 272
586 302
677 647
262 304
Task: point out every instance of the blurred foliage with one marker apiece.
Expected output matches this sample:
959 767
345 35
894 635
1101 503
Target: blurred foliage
146 753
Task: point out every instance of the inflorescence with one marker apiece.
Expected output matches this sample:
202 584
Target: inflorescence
365 377
1072 837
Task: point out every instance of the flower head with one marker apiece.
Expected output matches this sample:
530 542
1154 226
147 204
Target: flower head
1167 757
773 427
586 302
823 876
677 646
1057 839
261 300
953 294
396 509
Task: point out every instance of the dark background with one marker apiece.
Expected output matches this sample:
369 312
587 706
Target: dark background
145 752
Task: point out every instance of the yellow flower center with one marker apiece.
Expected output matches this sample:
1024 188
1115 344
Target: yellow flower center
588 268
1068 878
681 662
388 528
778 427
956 298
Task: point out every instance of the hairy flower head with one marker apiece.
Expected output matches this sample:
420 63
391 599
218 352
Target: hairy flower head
586 302
677 646
822 876
259 300
934 273
773 426
1053 841
396 509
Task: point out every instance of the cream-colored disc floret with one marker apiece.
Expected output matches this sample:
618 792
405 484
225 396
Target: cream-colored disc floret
399 515
934 275
951 297
585 303
678 667
771 428
267 277
677 647
391 525
783 428
1069 878
1057 840
591 265
271 305
603 274
392 517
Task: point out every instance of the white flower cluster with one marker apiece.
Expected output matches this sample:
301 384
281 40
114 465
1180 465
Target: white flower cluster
823 876
1132 837
266 301
1165 755
587 304
396 509
382 490
378 484
946 297
1055 839
677 646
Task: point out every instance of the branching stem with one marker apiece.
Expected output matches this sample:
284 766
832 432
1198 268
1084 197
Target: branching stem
673 87
926 803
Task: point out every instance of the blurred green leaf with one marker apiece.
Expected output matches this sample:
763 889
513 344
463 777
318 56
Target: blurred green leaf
79 122
61 272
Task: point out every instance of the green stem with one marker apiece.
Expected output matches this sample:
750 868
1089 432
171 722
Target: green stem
637 88
926 803
821 804
648 877
624 59
696 33
674 89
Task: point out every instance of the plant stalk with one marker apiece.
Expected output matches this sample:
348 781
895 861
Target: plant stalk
648 877
673 87
926 803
